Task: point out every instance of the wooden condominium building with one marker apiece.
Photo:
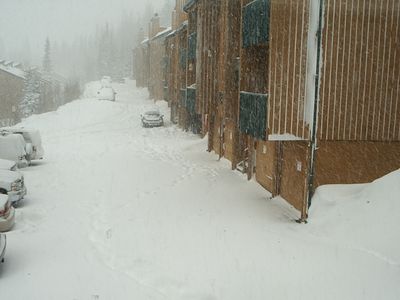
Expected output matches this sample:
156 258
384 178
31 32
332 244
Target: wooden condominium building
295 93
176 61
149 60
15 83
12 84
320 93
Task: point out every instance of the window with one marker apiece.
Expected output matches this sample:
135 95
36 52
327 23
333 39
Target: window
253 114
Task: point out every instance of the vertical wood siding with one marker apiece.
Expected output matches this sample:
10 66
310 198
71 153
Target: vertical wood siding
359 94
287 73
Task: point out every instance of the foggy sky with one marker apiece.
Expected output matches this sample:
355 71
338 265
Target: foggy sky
26 23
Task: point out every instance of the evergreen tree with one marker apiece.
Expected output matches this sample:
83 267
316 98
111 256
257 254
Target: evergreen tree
72 90
47 65
30 103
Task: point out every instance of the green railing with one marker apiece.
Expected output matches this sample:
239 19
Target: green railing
192 43
183 98
253 114
182 58
166 93
191 101
255 28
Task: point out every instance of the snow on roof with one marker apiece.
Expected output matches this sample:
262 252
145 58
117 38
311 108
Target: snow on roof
182 26
145 41
7 67
172 33
162 33
283 137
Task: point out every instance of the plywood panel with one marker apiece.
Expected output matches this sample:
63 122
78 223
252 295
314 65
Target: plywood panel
266 165
289 22
360 71
349 162
293 186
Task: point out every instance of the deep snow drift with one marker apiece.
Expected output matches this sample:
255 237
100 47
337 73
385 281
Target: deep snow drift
117 211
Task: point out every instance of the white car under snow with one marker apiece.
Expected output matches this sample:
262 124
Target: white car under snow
7 214
13 147
32 139
106 93
9 165
12 184
152 118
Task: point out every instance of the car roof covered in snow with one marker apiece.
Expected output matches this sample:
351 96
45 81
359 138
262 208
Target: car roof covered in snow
33 135
6 164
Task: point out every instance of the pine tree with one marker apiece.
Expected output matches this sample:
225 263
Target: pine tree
47 65
31 100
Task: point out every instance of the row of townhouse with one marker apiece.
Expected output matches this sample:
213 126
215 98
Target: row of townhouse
297 94
14 81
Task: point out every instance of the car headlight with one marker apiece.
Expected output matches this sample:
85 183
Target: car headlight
14 186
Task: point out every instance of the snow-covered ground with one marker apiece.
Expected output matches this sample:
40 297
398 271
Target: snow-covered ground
117 211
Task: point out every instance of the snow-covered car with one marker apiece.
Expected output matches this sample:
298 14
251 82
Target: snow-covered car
7 214
12 184
6 164
106 93
32 139
13 147
152 118
106 82
3 244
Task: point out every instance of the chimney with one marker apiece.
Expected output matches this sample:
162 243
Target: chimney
154 25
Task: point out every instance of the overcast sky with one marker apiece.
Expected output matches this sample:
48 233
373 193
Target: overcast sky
33 20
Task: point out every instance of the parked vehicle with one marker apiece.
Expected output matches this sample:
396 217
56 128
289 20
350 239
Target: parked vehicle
152 118
106 82
3 244
9 165
13 147
32 139
12 184
106 93
7 214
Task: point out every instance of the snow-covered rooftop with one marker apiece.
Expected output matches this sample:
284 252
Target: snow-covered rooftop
162 33
182 26
173 32
12 68
146 40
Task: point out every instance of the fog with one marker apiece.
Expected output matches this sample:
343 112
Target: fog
25 24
